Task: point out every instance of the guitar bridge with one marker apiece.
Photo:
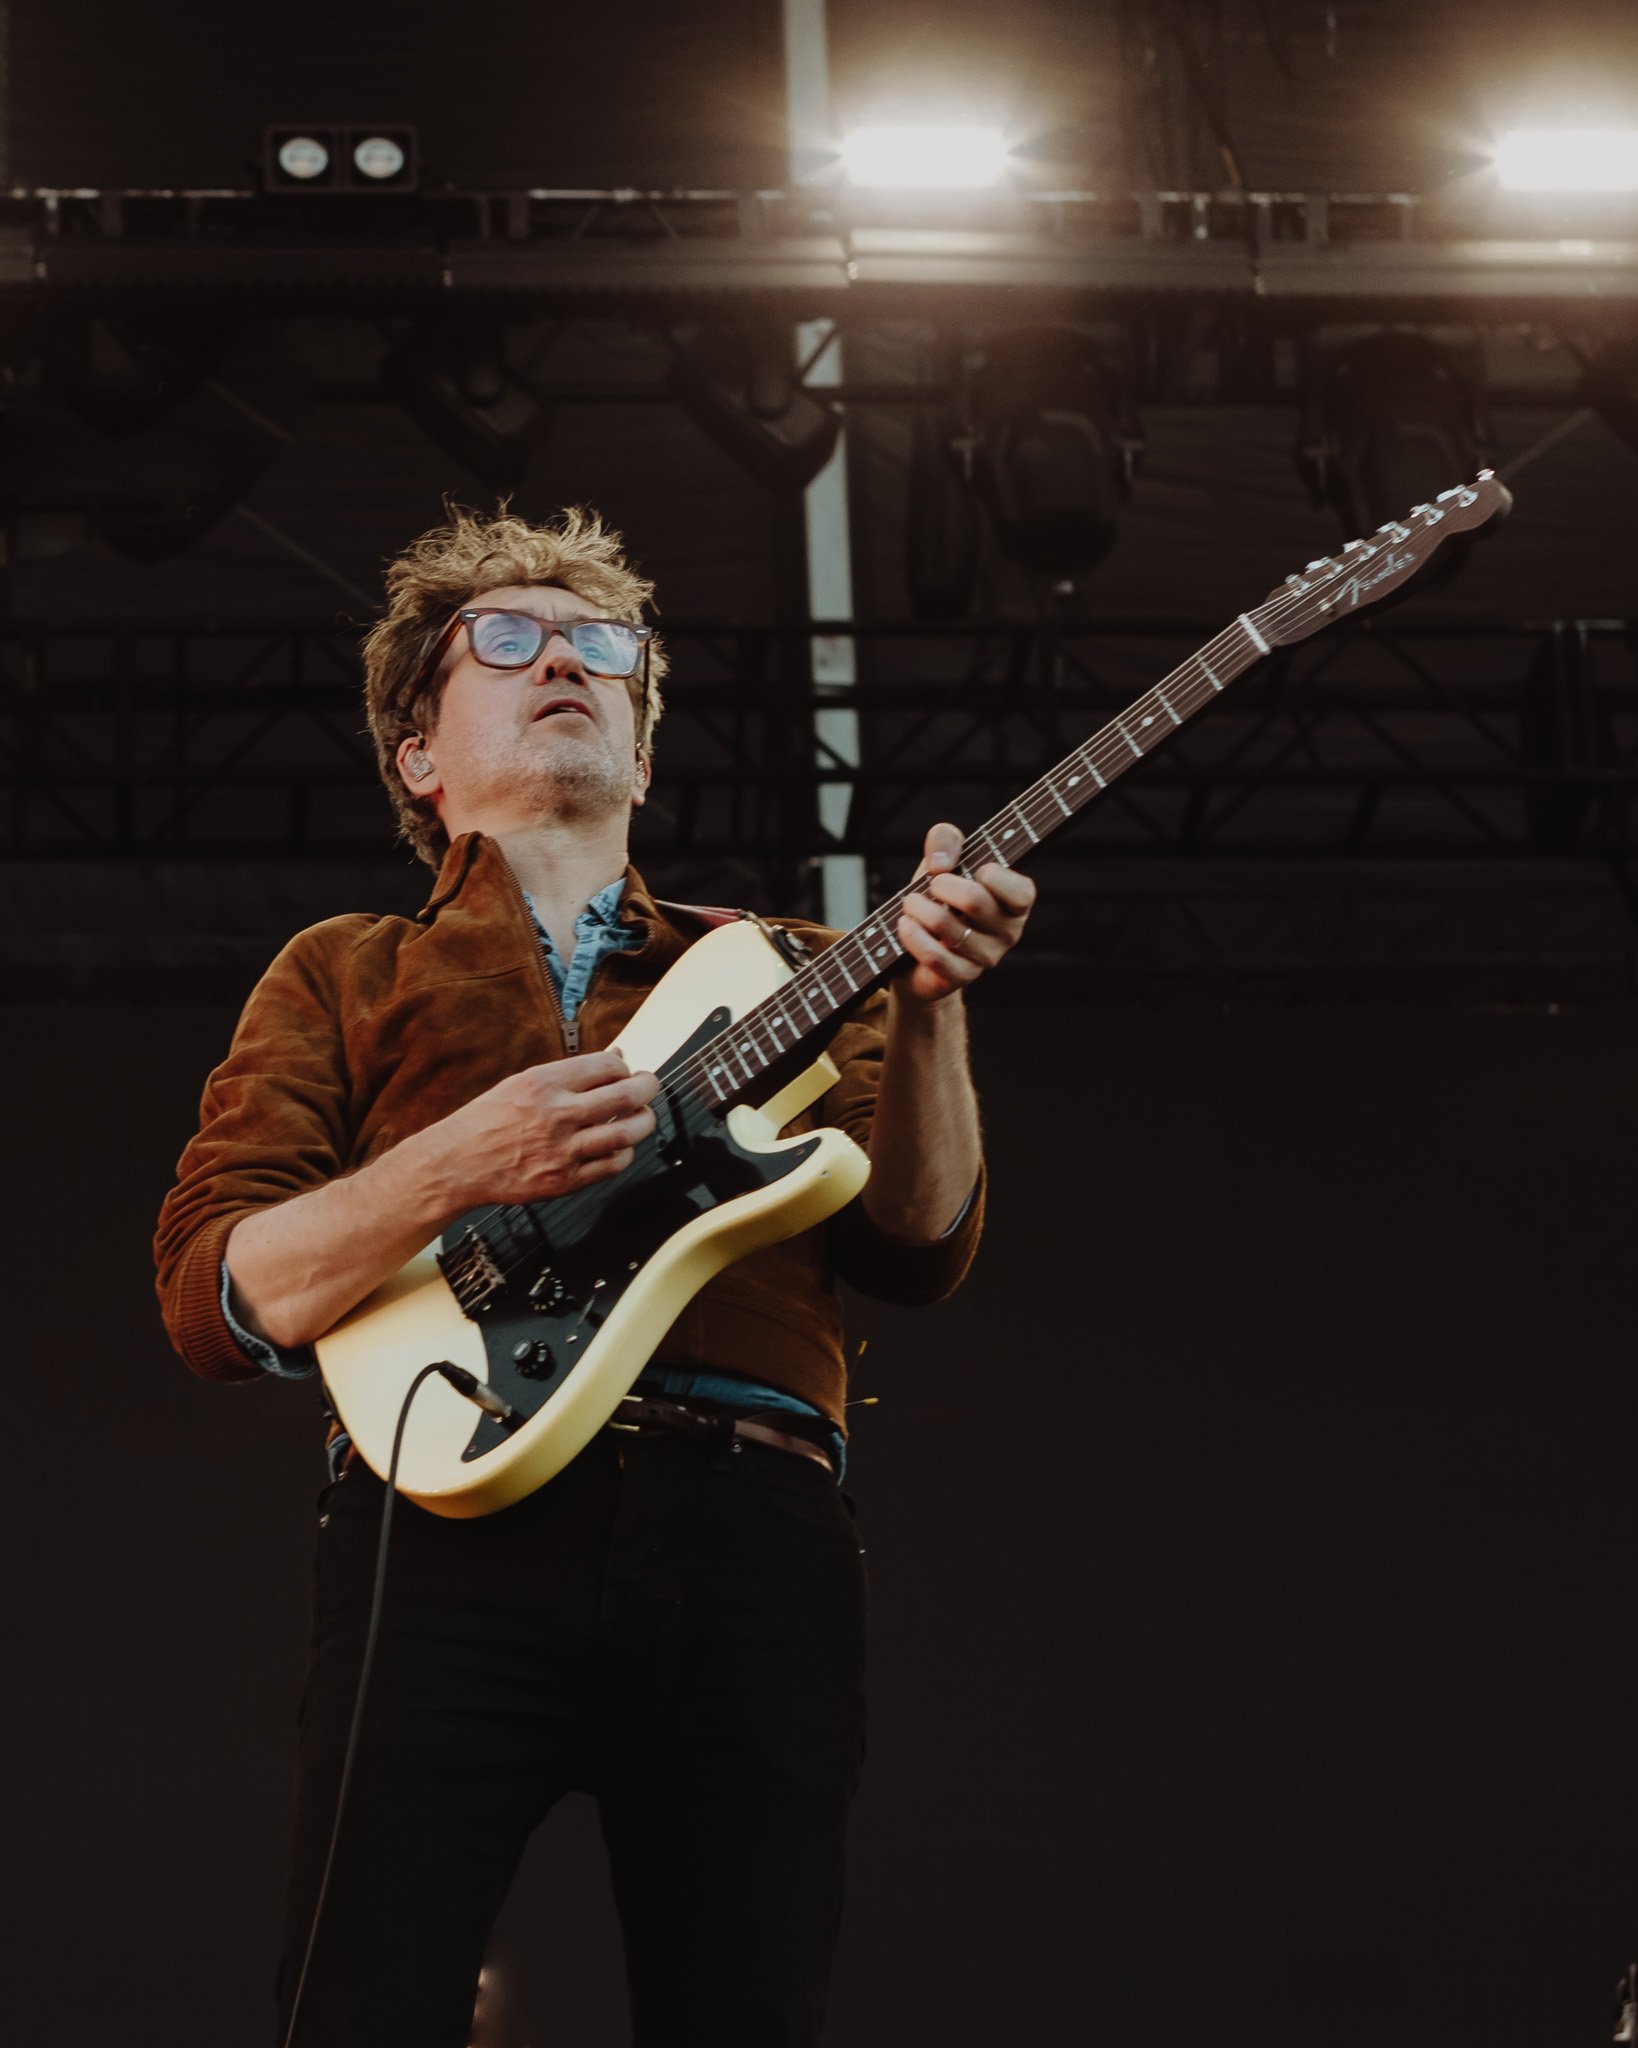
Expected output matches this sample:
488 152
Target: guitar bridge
474 1278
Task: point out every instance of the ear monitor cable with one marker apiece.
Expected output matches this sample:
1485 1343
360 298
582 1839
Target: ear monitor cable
491 1403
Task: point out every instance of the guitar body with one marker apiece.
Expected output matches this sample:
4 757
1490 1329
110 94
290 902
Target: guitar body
584 1307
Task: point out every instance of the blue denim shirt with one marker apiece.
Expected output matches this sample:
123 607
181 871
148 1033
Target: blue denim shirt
597 933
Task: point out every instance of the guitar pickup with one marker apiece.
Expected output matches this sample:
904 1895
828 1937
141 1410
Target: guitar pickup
668 1135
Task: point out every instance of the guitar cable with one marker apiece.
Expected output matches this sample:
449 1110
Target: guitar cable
475 1390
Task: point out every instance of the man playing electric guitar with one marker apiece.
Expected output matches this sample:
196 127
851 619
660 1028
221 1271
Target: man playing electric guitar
675 1621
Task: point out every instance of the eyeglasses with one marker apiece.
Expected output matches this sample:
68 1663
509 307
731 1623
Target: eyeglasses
512 640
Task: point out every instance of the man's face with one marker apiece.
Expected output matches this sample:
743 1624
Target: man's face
513 746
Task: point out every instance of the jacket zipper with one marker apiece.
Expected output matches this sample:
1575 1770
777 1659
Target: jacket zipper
569 1027
567 1030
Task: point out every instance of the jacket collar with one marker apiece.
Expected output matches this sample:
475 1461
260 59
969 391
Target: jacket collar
475 869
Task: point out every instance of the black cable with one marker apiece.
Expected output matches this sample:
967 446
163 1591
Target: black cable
465 1383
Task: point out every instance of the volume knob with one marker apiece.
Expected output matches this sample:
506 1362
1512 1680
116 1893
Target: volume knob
533 1358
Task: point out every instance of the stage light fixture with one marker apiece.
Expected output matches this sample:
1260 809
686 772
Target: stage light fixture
1056 443
1389 421
317 156
740 386
378 158
924 157
1611 384
461 391
302 158
1568 160
136 442
125 375
941 543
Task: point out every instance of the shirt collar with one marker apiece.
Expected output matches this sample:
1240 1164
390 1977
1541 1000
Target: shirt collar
602 913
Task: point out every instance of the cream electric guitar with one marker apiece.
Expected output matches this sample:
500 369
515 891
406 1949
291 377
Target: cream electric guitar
557 1306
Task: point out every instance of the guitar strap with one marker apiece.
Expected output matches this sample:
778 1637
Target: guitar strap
791 949
707 913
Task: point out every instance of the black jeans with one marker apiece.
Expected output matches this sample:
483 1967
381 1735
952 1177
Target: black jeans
675 1627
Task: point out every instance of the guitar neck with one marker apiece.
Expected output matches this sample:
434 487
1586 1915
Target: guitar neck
736 1065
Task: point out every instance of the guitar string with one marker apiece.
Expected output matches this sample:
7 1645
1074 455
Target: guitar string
1276 611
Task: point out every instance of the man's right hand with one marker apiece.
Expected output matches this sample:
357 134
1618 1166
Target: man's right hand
545 1131
298 1267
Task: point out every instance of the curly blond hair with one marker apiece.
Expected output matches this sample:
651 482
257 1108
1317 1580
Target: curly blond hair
449 567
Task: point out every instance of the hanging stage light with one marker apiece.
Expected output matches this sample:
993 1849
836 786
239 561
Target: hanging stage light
741 387
1056 445
302 159
124 375
907 156
460 390
379 159
1611 384
146 434
354 157
941 544
1568 160
1390 421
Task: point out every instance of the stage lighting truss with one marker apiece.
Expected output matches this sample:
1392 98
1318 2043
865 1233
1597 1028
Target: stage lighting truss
1464 798
354 157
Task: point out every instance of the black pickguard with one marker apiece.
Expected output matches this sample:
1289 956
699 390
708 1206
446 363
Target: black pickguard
591 1246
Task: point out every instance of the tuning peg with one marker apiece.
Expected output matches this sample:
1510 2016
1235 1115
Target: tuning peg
1322 563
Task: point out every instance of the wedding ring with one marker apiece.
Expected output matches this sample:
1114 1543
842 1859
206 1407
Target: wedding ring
965 936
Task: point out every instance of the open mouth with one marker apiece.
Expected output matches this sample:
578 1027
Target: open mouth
563 706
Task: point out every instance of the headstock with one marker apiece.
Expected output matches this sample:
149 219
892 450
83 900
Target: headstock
1367 571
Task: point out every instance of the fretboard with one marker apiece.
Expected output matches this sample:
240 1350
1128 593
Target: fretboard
734 1065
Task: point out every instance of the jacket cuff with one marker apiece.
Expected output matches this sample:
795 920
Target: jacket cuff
198 1327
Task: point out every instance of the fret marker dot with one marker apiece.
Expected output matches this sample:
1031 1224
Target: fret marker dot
1008 833
1073 780
1148 719
745 1048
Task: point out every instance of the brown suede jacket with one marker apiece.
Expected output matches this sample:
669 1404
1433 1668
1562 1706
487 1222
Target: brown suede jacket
366 1029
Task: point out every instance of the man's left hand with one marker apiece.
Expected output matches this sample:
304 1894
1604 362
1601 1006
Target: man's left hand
957 925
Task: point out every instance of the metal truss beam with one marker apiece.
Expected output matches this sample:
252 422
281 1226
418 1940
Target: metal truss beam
1404 813
1500 742
1291 257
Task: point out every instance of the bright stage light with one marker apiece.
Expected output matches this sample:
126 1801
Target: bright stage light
378 156
1569 160
303 157
924 156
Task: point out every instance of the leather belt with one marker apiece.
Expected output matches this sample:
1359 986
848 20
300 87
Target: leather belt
657 1415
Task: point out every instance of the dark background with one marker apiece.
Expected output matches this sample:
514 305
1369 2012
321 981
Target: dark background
1251 1547
1252 1539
